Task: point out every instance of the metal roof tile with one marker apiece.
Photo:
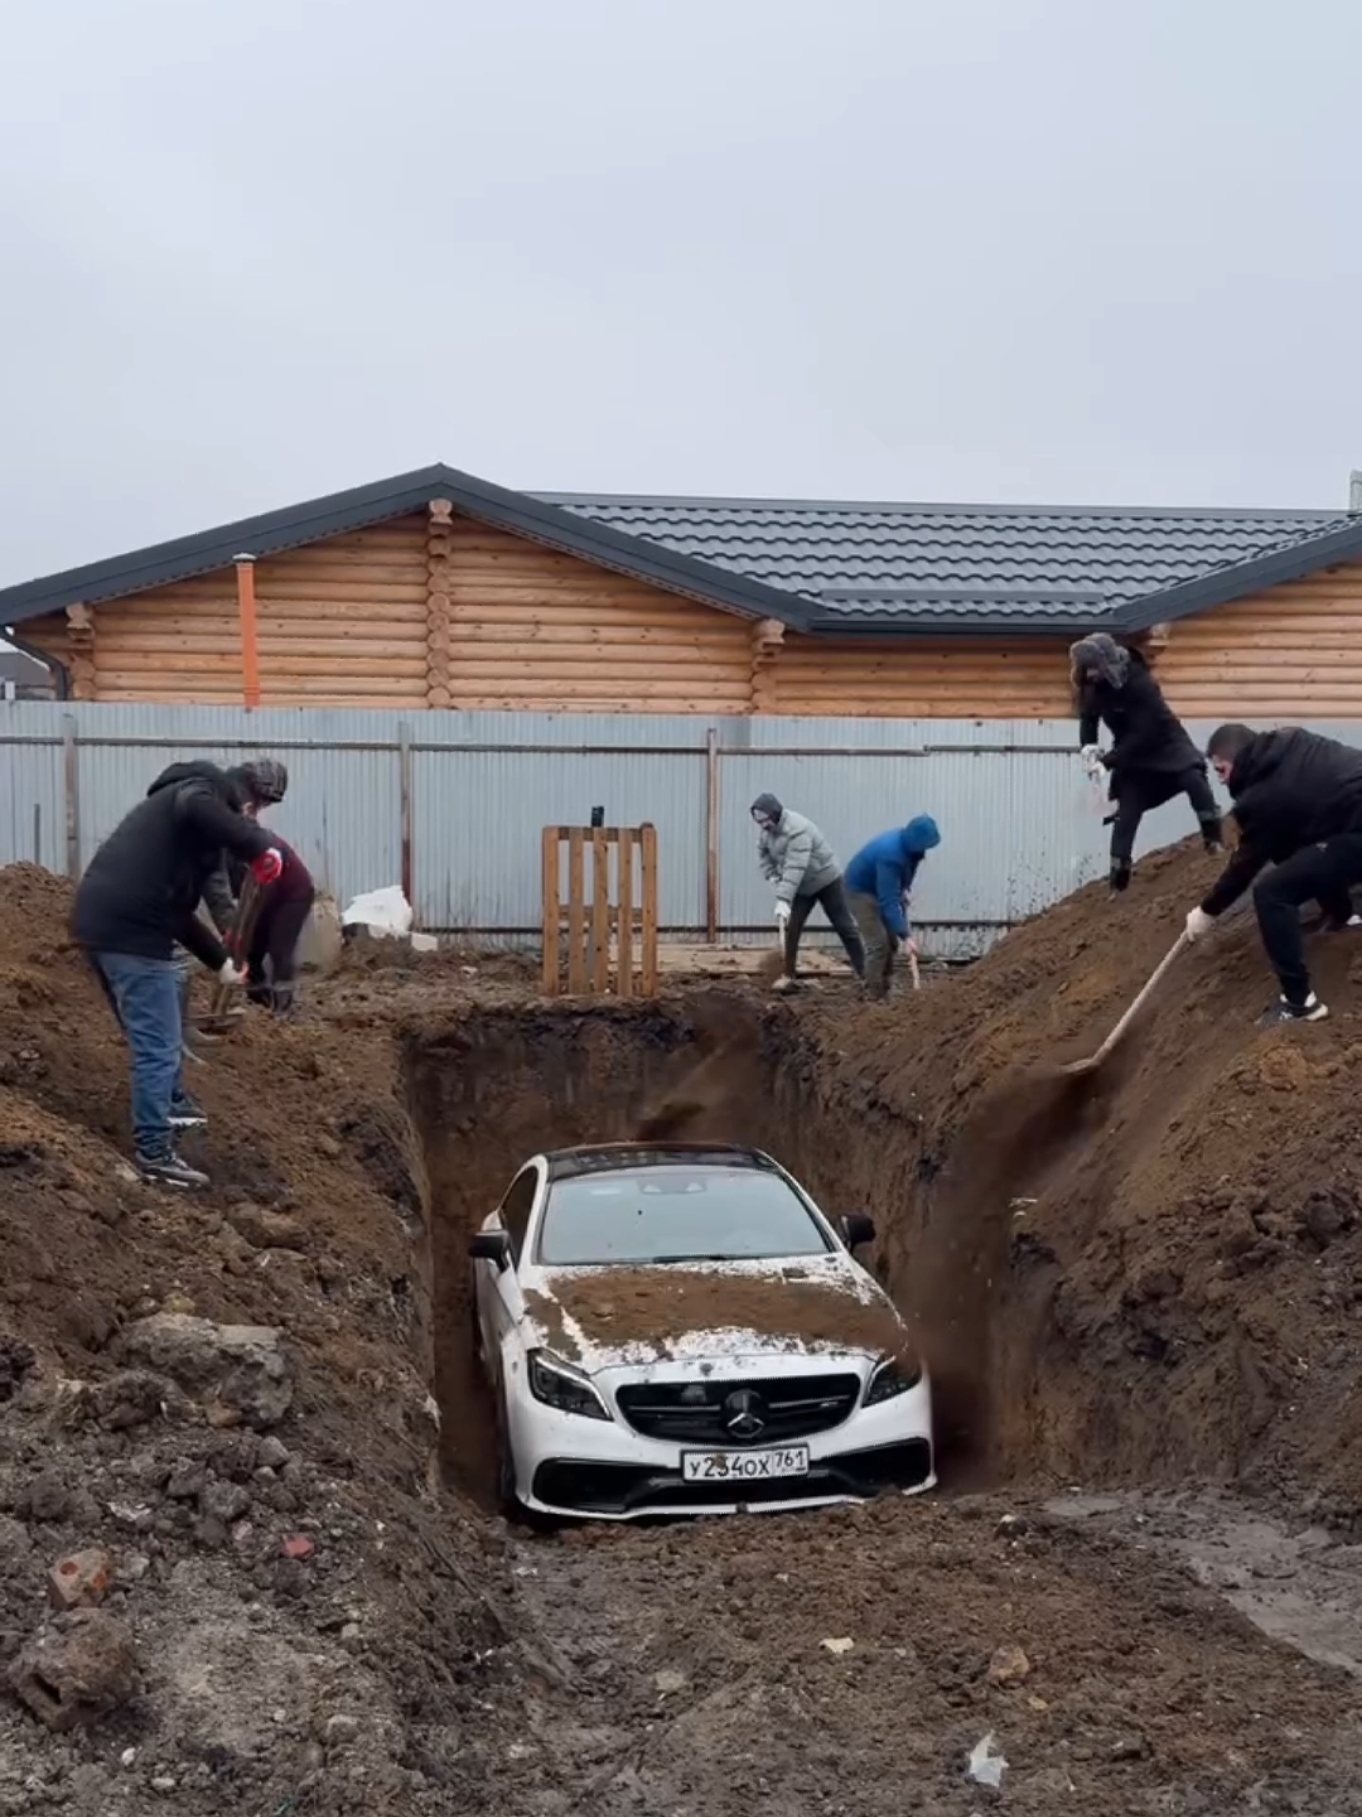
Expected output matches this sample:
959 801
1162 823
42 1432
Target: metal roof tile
954 561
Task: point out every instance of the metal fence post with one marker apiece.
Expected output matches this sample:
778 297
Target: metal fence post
712 835
404 793
71 761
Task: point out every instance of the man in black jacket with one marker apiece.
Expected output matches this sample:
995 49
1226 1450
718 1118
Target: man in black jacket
135 902
1298 802
1151 758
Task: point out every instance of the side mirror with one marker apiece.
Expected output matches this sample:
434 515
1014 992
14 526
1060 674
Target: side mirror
858 1230
491 1246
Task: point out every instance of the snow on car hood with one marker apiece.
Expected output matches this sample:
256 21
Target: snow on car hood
605 1317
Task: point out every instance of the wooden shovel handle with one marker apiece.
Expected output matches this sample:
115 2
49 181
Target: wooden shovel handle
1135 1008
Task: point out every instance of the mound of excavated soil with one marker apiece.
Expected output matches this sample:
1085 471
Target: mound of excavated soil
1153 1272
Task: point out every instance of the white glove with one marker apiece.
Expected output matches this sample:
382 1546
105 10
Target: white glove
1199 923
1092 759
231 973
782 914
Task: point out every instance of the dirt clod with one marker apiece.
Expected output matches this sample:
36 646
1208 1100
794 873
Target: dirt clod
81 1666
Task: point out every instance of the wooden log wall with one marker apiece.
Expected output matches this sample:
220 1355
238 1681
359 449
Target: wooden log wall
960 678
342 623
437 611
1292 653
531 628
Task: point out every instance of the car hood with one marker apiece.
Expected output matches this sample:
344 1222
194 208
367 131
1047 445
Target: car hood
603 1318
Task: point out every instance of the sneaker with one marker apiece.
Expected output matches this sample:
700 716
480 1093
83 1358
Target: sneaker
1283 1010
1332 926
783 986
167 1169
186 1114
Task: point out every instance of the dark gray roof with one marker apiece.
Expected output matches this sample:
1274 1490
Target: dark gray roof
961 564
339 512
875 569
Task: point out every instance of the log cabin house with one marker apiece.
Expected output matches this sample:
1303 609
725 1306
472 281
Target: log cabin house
436 590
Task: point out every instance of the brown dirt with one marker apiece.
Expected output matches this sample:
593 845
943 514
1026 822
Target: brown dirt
655 1305
1153 1278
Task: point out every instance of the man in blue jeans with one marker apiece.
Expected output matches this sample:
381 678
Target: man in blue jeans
135 902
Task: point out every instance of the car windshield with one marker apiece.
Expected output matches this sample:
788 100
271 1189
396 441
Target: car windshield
676 1214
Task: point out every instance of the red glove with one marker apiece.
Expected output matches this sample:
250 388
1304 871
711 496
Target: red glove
268 867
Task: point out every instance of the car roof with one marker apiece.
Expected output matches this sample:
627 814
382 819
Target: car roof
610 1157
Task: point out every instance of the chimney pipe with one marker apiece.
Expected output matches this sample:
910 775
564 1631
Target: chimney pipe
1355 491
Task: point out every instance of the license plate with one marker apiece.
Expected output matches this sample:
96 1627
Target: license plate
744 1466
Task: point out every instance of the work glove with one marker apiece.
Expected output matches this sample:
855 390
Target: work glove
268 867
1093 760
231 973
1199 924
782 915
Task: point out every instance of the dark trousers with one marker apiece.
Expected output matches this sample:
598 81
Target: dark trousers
1138 793
880 944
832 898
271 963
1319 873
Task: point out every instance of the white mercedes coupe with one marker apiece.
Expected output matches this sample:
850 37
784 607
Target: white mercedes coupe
677 1328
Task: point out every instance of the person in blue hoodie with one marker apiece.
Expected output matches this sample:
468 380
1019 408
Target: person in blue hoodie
878 881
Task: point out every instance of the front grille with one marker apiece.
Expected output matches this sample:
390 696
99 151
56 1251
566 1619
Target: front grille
636 1489
767 1411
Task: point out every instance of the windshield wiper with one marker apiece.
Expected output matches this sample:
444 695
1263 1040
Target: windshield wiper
660 1260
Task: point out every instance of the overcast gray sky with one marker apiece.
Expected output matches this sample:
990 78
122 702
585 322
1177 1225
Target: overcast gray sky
1045 250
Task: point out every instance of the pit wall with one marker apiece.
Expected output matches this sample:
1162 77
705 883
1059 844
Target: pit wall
1021 825
505 1085
1042 1372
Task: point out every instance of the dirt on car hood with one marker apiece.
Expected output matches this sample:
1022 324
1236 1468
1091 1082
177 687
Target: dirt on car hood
603 1317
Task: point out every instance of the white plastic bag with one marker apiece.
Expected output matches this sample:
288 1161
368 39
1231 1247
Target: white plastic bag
986 1767
385 912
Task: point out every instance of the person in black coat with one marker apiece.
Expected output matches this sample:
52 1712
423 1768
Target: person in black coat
1298 804
1151 759
137 899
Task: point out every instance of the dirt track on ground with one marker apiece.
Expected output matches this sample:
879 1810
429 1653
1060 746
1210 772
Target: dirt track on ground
1158 1286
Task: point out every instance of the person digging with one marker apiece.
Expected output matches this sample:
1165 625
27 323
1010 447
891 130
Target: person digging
879 882
271 953
797 859
1152 758
1298 805
137 899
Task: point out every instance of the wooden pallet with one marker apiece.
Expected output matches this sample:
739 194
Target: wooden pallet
609 916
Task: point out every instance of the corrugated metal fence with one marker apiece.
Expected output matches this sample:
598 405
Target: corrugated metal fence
455 802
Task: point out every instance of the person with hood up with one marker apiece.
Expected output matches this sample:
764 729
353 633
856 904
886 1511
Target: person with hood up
270 957
797 859
1298 803
137 899
879 881
1151 759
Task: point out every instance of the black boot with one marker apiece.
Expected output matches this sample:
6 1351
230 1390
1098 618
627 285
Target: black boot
1119 878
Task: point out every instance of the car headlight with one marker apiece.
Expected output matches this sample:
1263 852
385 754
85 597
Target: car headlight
559 1385
895 1375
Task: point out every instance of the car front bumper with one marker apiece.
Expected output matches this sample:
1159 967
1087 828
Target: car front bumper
604 1470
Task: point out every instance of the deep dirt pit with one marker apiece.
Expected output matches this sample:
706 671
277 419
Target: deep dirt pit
1170 1284
505 1084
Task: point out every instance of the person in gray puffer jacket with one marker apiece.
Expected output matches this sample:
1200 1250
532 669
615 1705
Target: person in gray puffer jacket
797 859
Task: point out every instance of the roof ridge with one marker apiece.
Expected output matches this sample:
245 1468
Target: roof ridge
1311 514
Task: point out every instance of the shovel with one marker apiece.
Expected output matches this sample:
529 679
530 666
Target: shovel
220 1015
1095 1060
